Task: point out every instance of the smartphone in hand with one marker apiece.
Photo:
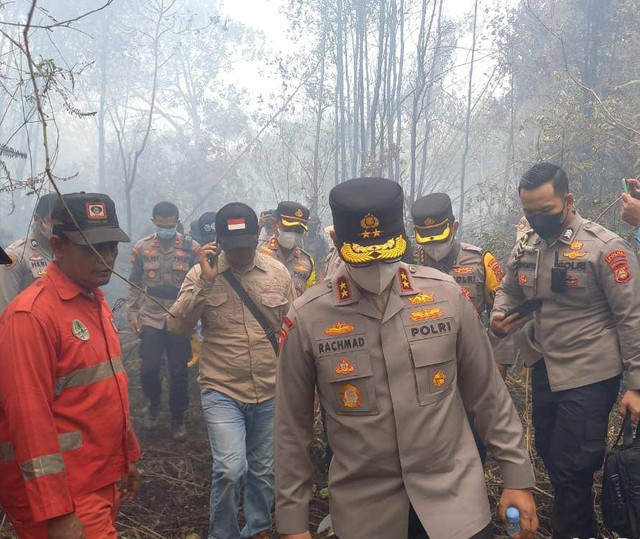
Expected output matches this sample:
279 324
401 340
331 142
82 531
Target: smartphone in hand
525 308
630 189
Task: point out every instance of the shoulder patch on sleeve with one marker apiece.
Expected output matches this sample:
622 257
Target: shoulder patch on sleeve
491 264
619 264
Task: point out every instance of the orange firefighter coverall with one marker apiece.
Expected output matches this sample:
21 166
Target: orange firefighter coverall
65 433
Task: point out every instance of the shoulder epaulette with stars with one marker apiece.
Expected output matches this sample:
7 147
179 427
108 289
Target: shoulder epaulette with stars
405 280
343 289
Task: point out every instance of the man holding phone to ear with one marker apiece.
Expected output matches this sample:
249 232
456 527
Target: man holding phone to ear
241 297
582 338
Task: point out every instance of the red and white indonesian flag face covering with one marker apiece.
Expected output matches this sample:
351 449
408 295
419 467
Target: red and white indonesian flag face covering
236 224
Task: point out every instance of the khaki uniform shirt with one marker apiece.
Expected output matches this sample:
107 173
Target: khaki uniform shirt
160 271
298 262
394 385
237 358
478 273
588 333
29 262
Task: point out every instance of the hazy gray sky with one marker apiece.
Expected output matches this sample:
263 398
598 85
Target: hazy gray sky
267 17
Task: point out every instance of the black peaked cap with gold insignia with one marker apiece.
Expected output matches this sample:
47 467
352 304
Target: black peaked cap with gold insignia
368 220
432 218
293 216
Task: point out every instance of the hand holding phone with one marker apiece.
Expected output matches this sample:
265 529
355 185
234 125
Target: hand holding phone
504 324
209 260
525 308
631 186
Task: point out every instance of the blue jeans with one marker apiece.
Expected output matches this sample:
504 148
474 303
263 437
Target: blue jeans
241 437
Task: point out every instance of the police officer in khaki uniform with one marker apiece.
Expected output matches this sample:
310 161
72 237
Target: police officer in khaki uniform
476 270
159 264
395 352
30 256
286 245
581 339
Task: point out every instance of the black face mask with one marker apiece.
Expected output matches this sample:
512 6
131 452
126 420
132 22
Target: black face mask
547 225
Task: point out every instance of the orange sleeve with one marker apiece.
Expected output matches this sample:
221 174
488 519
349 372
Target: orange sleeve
493 277
27 382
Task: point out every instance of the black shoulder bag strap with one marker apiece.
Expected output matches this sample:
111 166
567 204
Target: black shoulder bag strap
255 311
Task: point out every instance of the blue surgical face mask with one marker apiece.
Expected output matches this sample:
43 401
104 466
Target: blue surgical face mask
166 233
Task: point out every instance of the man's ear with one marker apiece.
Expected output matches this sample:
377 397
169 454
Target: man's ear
569 199
56 243
456 225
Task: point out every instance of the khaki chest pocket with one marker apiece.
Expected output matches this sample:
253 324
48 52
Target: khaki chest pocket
347 384
434 367
273 300
216 305
526 280
152 271
179 270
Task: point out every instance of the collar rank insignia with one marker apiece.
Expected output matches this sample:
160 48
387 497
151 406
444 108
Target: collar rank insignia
369 226
422 298
523 279
568 234
439 379
344 291
426 314
339 328
575 251
80 331
351 396
344 368
405 281
273 243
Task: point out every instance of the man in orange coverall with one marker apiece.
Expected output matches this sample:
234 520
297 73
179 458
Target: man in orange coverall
65 433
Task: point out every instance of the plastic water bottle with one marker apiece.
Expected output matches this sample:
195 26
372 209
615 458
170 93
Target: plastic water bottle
513 521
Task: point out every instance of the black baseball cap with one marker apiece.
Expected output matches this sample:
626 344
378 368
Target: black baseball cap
432 218
237 226
45 204
207 226
368 220
95 214
5 259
